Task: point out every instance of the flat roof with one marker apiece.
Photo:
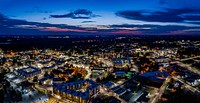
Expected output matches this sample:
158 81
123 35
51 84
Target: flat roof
115 88
120 73
10 75
28 71
17 80
108 84
120 91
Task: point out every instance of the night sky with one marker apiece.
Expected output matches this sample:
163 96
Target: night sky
99 17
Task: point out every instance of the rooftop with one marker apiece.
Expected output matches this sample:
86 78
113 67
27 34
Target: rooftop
63 87
108 84
28 71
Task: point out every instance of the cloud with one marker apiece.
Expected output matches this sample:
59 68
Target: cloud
16 27
56 29
168 15
192 21
88 21
77 14
126 32
44 18
148 29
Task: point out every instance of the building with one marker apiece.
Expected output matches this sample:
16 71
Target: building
108 85
79 92
14 79
18 82
46 80
28 72
119 74
162 59
121 62
117 62
118 91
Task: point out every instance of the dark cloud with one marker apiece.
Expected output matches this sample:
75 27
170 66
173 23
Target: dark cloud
131 26
59 16
12 22
168 15
148 29
88 21
44 18
13 26
77 14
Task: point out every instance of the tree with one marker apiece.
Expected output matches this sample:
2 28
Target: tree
35 79
46 74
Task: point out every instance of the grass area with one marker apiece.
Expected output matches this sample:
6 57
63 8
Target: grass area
41 90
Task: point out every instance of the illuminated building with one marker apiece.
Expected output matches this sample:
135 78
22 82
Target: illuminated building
29 72
121 62
79 92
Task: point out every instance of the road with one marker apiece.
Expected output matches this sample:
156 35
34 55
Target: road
136 96
190 58
89 72
111 94
186 85
57 99
52 100
161 91
187 66
190 68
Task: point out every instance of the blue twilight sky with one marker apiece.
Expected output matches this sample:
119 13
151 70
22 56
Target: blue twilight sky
53 17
